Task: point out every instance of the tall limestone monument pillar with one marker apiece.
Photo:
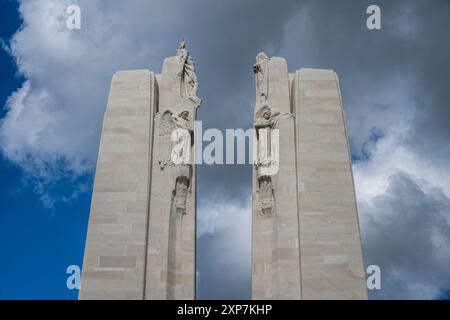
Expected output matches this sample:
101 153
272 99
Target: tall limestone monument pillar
141 234
305 232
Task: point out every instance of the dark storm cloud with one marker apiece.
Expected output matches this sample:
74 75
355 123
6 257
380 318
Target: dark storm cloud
407 234
222 273
394 75
391 77
224 38
399 73
404 66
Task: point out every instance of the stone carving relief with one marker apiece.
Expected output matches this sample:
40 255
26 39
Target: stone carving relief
267 140
189 82
265 196
267 137
266 119
181 137
180 194
176 134
261 69
179 207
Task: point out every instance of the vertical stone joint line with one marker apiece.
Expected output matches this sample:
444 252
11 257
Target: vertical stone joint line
150 151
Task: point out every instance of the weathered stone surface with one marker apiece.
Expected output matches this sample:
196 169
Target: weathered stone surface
170 273
275 258
141 234
114 259
330 246
309 246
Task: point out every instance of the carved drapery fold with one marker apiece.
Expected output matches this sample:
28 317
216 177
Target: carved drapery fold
189 82
261 69
177 133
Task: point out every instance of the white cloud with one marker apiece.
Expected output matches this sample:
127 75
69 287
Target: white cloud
224 256
403 195
214 215
57 114
391 155
403 206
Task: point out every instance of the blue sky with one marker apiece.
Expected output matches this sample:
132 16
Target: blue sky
37 243
394 83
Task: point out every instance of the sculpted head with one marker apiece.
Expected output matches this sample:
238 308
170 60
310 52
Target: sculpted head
263 112
264 182
261 57
182 182
184 115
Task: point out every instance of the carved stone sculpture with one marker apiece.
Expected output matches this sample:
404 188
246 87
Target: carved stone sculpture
177 131
189 83
265 196
261 69
180 194
147 156
267 135
302 188
181 138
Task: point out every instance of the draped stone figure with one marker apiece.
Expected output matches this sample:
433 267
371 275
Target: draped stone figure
189 83
180 195
267 144
177 132
261 69
181 138
173 192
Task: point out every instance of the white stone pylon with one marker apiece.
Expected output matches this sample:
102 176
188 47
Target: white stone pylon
305 231
141 233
